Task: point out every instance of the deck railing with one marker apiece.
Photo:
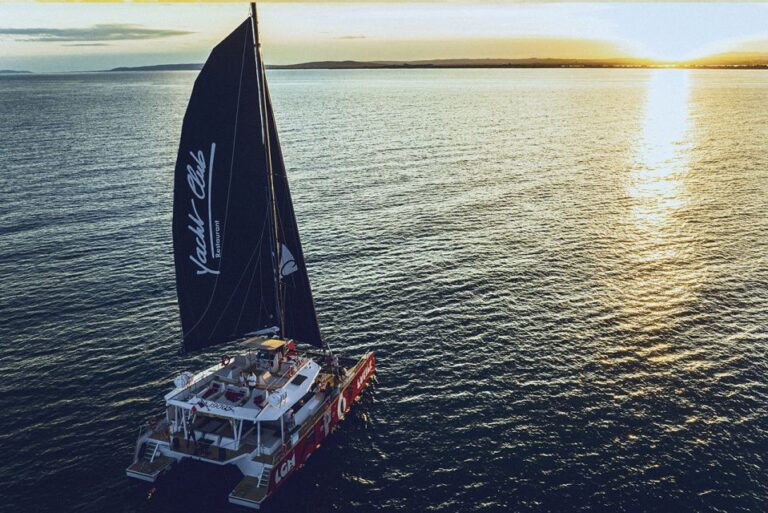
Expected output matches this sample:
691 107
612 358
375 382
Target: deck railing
310 422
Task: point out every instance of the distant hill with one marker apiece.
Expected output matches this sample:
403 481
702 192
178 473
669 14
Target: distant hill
160 67
434 63
734 59
726 60
470 63
337 65
12 72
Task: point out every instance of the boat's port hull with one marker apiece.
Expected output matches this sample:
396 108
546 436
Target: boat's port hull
150 471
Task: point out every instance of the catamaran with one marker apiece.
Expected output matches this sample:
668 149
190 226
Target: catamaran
241 276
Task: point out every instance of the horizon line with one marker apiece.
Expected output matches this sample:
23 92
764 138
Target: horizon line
757 61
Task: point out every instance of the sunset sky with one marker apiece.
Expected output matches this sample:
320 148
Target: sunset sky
64 37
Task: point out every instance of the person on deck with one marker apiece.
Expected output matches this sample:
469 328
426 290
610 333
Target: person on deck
290 419
251 381
191 435
242 379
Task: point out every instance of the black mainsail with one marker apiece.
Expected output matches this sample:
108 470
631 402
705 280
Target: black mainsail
240 268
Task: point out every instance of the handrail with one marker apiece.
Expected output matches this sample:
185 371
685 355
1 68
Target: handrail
139 441
302 363
310 421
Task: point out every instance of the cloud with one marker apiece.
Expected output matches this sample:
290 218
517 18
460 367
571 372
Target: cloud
101 32
86 44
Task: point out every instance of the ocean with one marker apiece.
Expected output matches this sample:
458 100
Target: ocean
563 273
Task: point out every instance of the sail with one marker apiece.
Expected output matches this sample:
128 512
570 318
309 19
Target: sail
223 230
299 317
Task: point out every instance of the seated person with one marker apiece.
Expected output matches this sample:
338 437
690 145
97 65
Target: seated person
290 419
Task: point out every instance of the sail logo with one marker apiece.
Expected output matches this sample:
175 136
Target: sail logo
284 469
206 231
287 262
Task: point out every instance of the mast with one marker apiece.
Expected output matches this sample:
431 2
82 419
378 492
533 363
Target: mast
263 98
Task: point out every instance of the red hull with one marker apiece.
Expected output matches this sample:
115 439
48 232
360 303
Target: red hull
297 455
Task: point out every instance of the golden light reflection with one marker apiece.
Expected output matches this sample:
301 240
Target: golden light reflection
657 181
662 281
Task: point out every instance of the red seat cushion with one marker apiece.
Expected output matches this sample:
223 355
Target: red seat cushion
233 396
212 390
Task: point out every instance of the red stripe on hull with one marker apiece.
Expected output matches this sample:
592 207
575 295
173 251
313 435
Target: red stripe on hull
326 423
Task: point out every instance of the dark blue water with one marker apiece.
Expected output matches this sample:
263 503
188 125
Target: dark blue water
564 274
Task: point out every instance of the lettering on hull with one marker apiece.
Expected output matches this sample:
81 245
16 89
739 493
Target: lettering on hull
341 407
285 468
364 374
321 429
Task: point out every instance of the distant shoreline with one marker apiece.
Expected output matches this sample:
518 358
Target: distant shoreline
159 67
752 64
473 65
743 63
517 66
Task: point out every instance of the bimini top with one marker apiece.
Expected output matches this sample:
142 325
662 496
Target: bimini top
265 344
272 344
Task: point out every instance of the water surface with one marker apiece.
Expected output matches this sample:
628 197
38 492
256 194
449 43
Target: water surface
563 274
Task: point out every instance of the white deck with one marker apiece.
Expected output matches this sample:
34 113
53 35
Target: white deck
214 419
216 390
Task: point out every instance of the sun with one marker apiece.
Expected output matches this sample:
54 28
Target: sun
672 50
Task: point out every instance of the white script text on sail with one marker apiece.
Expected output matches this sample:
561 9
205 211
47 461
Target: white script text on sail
200 179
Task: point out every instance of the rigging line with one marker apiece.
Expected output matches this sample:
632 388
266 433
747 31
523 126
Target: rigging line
229 189
256 44
260 72
298 249
240 279
253 276
237 285
231 297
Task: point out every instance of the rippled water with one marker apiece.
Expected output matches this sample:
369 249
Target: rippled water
564 274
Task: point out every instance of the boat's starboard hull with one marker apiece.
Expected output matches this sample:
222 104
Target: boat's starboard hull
295 454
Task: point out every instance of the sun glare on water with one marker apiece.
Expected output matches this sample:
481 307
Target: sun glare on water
661 251
657 181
